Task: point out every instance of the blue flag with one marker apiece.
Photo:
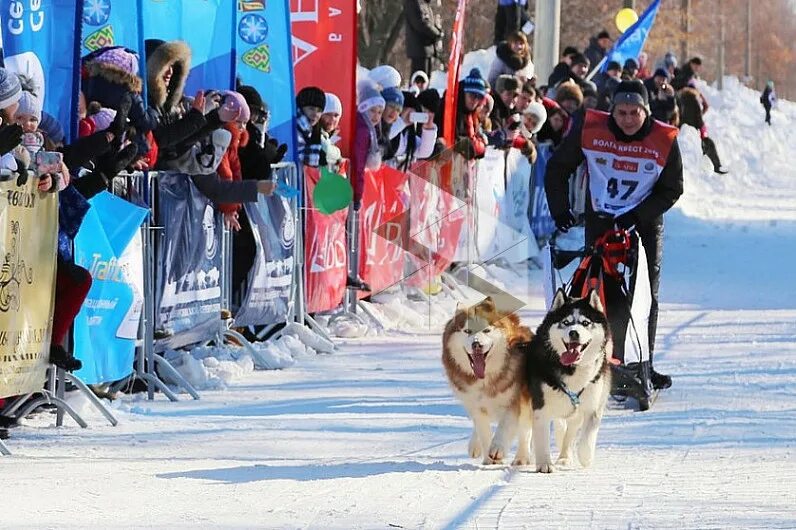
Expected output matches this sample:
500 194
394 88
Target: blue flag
630 44
265 62
110 23
105 330
208 27
40 42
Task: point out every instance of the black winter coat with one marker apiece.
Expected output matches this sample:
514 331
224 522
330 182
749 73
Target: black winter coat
422 33
509 18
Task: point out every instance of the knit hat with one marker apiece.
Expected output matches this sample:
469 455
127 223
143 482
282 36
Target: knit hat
474 83
421 74
538 111
579 58
430 99
506 83
252 97
103 119
333 104
311 96
10 88
393 96
369 97
631 64
569 91
385 76
29 105
240 101
603 35
634 93
116 57
661 72
613 65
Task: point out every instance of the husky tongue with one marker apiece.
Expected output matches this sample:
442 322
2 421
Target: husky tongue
478 360
572 354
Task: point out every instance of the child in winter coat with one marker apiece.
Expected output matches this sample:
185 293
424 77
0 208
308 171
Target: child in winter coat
310 103
367 152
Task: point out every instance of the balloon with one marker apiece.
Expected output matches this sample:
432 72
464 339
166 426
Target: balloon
625 18
332 193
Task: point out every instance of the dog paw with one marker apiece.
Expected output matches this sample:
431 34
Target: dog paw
474 448
545 468
564 462
521 461
489 461
496 452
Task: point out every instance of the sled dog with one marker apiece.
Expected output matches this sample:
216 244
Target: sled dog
485 371
568 378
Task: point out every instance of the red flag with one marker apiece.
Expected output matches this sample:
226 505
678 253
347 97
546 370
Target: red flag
451 97
325 54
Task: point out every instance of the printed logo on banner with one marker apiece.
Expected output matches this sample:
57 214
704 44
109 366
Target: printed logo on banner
209 228
250 5
288 231
13 270
253 29
99 39
96 12
258 58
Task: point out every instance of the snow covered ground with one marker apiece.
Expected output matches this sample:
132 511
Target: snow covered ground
371 437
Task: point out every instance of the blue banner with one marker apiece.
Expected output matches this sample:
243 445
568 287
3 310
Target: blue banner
542 224
265 61
110 23
208 27
40 42
190 262
105 330
630 44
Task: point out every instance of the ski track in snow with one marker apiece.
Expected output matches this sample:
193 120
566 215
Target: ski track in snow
371 436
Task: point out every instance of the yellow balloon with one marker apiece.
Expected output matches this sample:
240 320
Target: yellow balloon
625 18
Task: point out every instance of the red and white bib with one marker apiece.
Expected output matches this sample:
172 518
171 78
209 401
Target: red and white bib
622 175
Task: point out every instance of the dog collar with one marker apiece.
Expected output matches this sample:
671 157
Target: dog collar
574 397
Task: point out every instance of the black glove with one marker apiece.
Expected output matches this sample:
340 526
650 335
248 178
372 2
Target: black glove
10 137
627 221
564 221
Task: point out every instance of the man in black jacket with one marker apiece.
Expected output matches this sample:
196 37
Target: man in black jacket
423 34
635 176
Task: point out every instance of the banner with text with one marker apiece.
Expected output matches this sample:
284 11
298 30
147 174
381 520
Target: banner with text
106 328
28 241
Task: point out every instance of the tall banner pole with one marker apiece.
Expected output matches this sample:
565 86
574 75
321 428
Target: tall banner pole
451 96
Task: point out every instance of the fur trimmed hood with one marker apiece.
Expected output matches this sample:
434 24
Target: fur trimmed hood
161 55
113 74
510 58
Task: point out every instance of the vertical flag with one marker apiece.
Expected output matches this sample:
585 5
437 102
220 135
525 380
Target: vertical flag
40 41
630 44
208 27
325 54
264 62
451 96
110 23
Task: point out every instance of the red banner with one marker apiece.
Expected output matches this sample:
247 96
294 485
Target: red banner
326 257
381 262
451 96
324 40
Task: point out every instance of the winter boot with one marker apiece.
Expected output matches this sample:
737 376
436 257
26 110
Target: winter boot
64 359
633 380
357 284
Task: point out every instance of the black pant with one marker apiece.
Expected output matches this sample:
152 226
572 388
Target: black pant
618 305
709 149
768 114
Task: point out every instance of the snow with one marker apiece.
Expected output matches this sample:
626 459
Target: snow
370 435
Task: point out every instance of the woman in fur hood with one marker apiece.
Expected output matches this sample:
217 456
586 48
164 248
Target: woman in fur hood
167 65
513 58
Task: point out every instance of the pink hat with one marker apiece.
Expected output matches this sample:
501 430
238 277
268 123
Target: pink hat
237 100
103 118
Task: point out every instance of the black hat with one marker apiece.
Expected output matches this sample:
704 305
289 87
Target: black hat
661 72
631 64
252 97
311 96
430 99
613 65
570 50
603 35
579 58
410 100
633 92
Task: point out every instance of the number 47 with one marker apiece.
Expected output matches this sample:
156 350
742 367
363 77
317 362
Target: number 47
613 188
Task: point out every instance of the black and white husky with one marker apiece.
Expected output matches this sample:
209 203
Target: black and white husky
568 378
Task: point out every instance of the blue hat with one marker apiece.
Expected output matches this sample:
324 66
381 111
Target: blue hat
474 83
661 72
10 88
393 96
